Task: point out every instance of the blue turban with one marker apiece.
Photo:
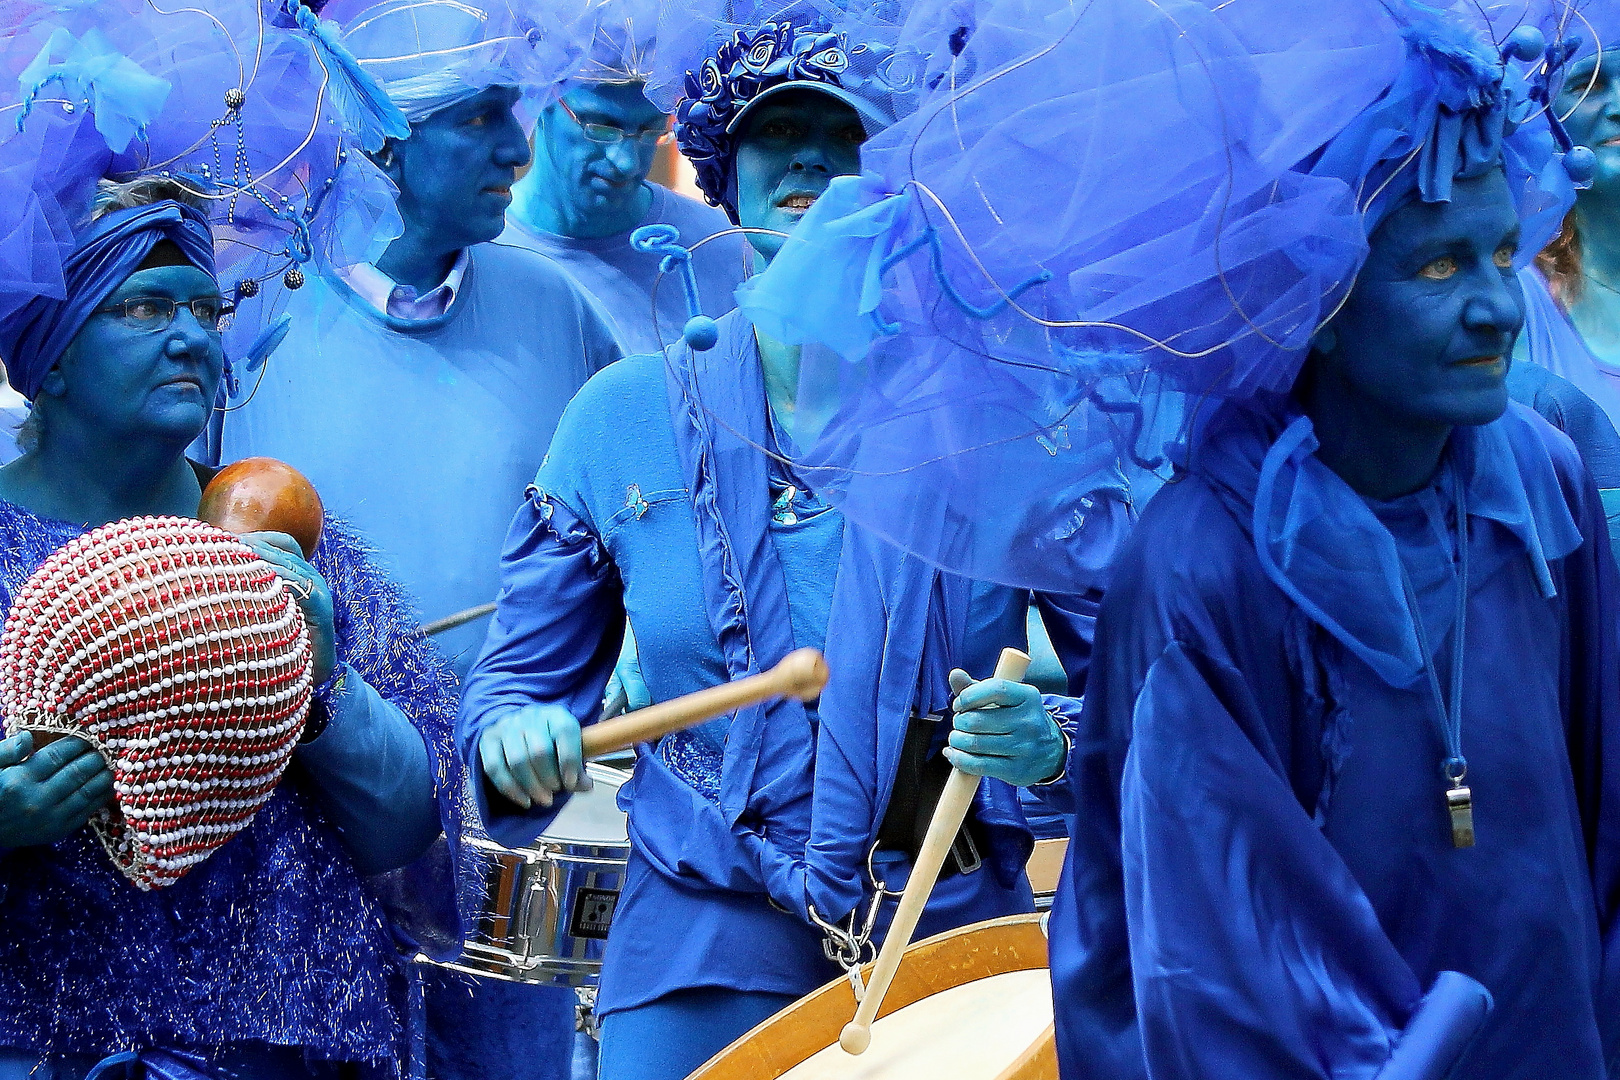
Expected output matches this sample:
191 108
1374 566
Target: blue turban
35 336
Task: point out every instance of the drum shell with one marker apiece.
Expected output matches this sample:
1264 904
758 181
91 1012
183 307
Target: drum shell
549 905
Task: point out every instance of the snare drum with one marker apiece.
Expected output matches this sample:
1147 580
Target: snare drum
971 1004
548 906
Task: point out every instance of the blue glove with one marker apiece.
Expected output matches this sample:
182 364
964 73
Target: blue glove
1002 729
532 752
286 558
46 796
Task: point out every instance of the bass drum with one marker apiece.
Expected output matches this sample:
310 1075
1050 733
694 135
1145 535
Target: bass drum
971 1004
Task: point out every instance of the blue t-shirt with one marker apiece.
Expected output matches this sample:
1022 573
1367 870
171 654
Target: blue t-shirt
622 280
425 433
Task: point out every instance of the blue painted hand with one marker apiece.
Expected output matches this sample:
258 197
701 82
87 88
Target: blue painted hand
46 796
314 597
1002 729
532 752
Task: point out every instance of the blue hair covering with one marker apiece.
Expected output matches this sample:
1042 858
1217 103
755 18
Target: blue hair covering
427 55
35 335
252 107
617 42
1096 222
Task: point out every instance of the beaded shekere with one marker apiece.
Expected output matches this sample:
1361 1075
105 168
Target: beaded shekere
182 657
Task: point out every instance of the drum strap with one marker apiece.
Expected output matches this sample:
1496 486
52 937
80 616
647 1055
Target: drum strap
917 787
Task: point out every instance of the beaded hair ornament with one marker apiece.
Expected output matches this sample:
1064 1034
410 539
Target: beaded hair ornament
176 652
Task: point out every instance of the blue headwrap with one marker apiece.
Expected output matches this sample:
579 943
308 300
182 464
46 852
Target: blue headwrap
35 336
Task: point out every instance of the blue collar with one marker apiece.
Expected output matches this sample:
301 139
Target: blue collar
1320 543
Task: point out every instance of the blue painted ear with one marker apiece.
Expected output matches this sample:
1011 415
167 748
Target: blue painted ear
701 332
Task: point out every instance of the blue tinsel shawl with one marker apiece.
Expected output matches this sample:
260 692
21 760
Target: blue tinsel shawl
273 939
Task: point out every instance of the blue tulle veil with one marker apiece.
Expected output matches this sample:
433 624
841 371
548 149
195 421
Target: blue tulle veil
1097 221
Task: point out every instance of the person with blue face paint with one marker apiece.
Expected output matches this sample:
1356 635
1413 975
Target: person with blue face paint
669 500
1583 264
1355 695
587 190
419 394
274 958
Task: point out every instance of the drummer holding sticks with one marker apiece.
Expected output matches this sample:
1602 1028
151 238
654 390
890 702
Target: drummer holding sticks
758 840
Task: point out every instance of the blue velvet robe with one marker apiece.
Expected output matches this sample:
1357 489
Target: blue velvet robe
657 502
274 939
1263 882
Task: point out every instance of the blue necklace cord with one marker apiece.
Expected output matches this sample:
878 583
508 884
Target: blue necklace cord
1454 767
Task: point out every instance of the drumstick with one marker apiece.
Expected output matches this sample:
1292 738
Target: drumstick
949 814
802 674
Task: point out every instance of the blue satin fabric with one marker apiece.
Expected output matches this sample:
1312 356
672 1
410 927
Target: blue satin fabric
1262 881
276 939
618 524
33 337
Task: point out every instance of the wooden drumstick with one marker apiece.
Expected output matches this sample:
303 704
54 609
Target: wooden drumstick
802 674
949 814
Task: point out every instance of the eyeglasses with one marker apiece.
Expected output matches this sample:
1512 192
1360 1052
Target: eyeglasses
155 313
608 134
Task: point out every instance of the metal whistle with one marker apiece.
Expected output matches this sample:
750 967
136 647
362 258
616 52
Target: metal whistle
1460 802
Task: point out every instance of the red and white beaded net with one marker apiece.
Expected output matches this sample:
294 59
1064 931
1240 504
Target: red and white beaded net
182 657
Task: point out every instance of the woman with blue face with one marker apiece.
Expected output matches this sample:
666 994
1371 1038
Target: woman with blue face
220 971
1351 675
670 499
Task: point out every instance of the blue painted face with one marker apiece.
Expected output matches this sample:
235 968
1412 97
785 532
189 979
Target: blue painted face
791 147
1428 330
455 172
1591 98
595 178
127 381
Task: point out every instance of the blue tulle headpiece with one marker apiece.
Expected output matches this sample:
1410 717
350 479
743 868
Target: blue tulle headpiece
1099 220
430 54
1462 105
617 42
254 109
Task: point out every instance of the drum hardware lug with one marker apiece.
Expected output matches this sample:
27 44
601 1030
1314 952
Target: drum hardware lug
585 1011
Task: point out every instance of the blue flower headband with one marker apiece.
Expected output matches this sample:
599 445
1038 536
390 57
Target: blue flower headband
727 83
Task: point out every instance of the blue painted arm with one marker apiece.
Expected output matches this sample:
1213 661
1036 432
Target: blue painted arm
554 638
371 768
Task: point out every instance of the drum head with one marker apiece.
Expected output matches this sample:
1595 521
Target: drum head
976 1031
593 817
974 1003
